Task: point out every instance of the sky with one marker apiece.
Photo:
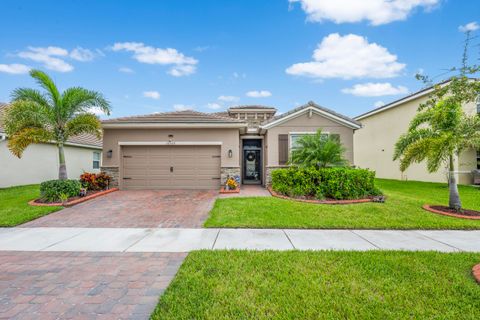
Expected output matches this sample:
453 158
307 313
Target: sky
160 56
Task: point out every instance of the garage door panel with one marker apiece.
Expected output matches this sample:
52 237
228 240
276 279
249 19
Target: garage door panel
194 167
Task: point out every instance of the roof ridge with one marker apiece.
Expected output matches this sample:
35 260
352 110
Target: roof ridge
306 105
245 106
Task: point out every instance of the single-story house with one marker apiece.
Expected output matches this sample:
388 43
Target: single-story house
195 150
381 128
40 161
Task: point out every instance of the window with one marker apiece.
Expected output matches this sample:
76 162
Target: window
296 136
478 160
96 160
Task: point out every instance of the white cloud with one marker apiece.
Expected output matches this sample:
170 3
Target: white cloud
14 68
214 106
181 64
377 12
49 57
258 94
182 70
182 107
237 75
228 98
375 90
96 111
53 58
379 104
346 57
472 26
201 48
125 70
152 94
81 54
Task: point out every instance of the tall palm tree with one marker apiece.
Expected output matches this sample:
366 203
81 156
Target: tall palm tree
438 134
51 116
319 150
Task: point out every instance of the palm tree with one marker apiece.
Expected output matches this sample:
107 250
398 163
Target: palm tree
318 150
51 116
439 134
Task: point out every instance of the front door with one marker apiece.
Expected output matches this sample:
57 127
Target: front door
252 161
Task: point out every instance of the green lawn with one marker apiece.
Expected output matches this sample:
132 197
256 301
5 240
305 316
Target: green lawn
14 208
401 211
323 285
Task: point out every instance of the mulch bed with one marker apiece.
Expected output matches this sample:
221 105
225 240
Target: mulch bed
476 273
326 201
73 200
446 211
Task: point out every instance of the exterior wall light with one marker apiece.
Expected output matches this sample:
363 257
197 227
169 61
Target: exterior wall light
109 153
230 153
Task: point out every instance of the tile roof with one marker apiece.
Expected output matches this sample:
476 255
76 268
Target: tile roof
250 107
187 116
311 104
416 94
83 139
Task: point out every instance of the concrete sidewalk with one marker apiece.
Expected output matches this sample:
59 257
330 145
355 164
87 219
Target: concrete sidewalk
185 240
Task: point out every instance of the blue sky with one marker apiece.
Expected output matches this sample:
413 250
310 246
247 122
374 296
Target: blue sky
156 56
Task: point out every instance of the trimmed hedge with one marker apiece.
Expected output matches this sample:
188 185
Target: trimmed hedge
331 183
54 190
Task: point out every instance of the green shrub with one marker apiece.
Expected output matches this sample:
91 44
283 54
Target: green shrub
334 183
55 190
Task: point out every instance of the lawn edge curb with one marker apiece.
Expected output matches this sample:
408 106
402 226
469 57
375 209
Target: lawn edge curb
74 202
428 208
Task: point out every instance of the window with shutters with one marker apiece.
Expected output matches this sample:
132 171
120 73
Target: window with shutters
296 136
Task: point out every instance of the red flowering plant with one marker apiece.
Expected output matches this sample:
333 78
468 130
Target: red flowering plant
95 181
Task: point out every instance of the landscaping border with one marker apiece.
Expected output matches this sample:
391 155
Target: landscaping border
350 201
73 202
476 272
225 191
430 209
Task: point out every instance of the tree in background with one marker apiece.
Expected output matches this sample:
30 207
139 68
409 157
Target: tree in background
441 130
318 150
437 135
51 116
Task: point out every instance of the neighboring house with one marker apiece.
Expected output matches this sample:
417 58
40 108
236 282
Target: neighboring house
194 150
39 162
381 128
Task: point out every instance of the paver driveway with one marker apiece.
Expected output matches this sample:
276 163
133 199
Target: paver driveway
73 285
136 209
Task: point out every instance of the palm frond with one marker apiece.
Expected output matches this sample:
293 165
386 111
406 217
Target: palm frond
415 152
410 138
25 137
83 123
31 95
420 118
318 151
24 114
78 99
47 83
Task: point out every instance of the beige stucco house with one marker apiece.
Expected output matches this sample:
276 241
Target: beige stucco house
195 150
381 128
40 161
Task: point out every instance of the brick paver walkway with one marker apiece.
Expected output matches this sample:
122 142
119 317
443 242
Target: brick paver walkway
135 209
49 285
